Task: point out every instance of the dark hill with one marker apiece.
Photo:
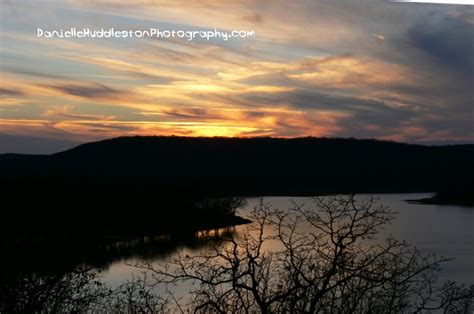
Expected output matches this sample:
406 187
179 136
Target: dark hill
17 156
150 184
260 165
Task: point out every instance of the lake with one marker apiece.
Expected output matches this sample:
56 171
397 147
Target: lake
445 230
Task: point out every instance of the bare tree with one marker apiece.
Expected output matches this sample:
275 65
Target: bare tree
137 295
322 259
61 292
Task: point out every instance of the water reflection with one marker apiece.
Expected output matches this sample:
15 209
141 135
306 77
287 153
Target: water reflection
322 244
38 272
445 230
156 247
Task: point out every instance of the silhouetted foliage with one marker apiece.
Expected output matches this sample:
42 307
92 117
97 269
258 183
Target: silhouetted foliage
60 292
319 259
326 262
65 276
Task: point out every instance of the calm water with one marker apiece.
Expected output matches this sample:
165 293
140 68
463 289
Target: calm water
445 230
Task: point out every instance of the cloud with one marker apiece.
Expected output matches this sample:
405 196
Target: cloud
89 90
132 70
448 41
10 92
193 114
366 68
70 113
26 72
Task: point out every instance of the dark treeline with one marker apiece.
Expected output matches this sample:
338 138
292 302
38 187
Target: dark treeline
150 183
108 208
257 165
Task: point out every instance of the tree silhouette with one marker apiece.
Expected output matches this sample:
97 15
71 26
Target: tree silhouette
320 259
326 260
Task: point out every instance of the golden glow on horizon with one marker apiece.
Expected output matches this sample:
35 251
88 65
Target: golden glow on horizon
221 110
326 69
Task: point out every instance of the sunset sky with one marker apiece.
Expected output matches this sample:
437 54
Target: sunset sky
366 69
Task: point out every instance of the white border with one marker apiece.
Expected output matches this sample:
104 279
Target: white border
462 2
